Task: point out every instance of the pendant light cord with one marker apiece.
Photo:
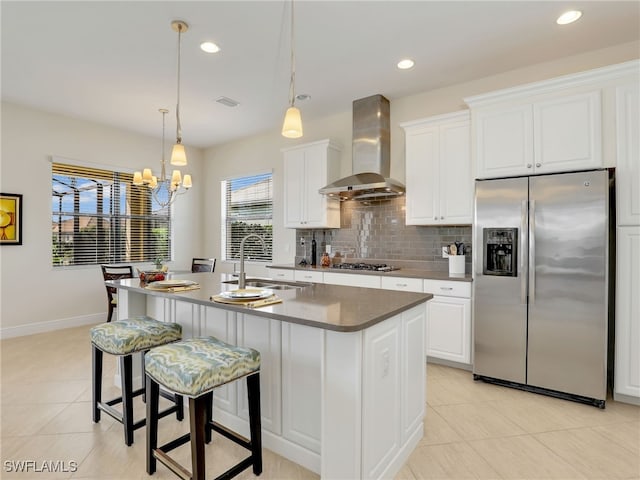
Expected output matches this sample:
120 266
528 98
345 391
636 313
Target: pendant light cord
178 126
163 173
293 63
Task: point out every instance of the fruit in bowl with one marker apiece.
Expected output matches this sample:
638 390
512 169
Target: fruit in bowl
152 276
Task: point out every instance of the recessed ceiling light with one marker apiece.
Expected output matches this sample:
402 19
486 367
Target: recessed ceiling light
569 17
303 96
405 64
209 47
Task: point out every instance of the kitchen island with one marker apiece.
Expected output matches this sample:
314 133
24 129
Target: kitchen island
343 368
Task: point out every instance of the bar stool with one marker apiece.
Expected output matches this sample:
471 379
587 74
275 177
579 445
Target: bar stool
124 338
194 367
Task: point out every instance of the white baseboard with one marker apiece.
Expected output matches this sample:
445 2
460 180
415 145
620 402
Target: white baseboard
52 325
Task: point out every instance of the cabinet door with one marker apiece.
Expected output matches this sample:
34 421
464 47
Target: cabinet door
222 324
422 176
567 133
504 142
413 358
294 175
449 329
381 388
627 371
265 336
456 184
628 154
301 384
315 178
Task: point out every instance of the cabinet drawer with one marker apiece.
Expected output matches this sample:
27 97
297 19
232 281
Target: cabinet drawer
307 276
402 283
448 289
281 274
352 280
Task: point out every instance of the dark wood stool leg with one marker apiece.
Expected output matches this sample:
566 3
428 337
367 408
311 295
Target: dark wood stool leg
253 392
126 372
144 395
96 380
209 419
153 394
179 400
197 419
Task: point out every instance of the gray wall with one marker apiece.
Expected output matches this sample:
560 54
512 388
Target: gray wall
375 232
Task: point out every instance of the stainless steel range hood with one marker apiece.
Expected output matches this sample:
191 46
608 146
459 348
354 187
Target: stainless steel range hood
371 158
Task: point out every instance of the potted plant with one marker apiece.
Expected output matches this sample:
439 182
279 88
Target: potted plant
158 263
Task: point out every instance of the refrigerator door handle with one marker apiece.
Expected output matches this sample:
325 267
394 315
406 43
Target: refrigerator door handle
532 251
523 249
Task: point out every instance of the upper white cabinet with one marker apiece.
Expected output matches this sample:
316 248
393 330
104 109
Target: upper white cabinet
308 168
555 135
438 170
628 153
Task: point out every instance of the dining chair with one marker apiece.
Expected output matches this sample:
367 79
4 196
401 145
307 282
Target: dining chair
203 265
113 272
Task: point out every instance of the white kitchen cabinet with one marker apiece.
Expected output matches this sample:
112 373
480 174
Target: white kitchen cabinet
559 134
448 335
308 276
308 168
628 154
405 284
281 274
627 328
439 184
265 336
222 325
352 279
301 384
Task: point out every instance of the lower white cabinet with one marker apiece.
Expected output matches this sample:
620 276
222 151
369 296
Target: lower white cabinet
308 276
352 279
449 321
281 274
264 336
627 328
405 284
301 384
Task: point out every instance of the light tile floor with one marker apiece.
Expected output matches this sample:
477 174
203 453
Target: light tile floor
473 430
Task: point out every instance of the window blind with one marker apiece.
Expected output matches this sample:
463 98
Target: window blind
248 209
99 216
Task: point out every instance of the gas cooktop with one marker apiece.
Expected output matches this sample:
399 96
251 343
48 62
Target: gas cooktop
375 267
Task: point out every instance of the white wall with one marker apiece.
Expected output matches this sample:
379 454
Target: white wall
34 295
262 152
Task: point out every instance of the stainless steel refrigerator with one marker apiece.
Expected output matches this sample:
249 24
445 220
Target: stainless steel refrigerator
541 286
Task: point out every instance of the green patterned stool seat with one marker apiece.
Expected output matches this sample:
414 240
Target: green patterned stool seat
195 366
132 335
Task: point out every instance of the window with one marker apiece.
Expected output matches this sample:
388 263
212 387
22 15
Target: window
247 207
99 216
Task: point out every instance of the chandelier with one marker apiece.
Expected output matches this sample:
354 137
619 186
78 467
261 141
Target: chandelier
164 190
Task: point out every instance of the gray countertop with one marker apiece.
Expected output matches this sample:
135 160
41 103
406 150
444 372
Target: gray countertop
403 272
330 307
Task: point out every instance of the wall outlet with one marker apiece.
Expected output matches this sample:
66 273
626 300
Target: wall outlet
445 252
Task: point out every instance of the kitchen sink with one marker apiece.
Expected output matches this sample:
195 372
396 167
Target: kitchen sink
270 284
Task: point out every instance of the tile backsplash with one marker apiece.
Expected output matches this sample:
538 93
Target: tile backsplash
375 231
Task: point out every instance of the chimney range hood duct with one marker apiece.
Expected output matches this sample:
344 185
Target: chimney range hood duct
371 160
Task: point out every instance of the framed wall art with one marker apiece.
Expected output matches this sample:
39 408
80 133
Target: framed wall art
10 219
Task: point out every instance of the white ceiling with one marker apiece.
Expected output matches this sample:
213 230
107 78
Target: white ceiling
115 62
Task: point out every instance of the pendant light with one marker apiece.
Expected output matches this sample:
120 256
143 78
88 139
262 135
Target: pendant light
178 154
292 126
163 189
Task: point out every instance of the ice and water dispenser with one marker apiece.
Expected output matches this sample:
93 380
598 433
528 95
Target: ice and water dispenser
500 252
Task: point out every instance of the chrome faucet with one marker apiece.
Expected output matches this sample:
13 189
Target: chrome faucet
242 275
